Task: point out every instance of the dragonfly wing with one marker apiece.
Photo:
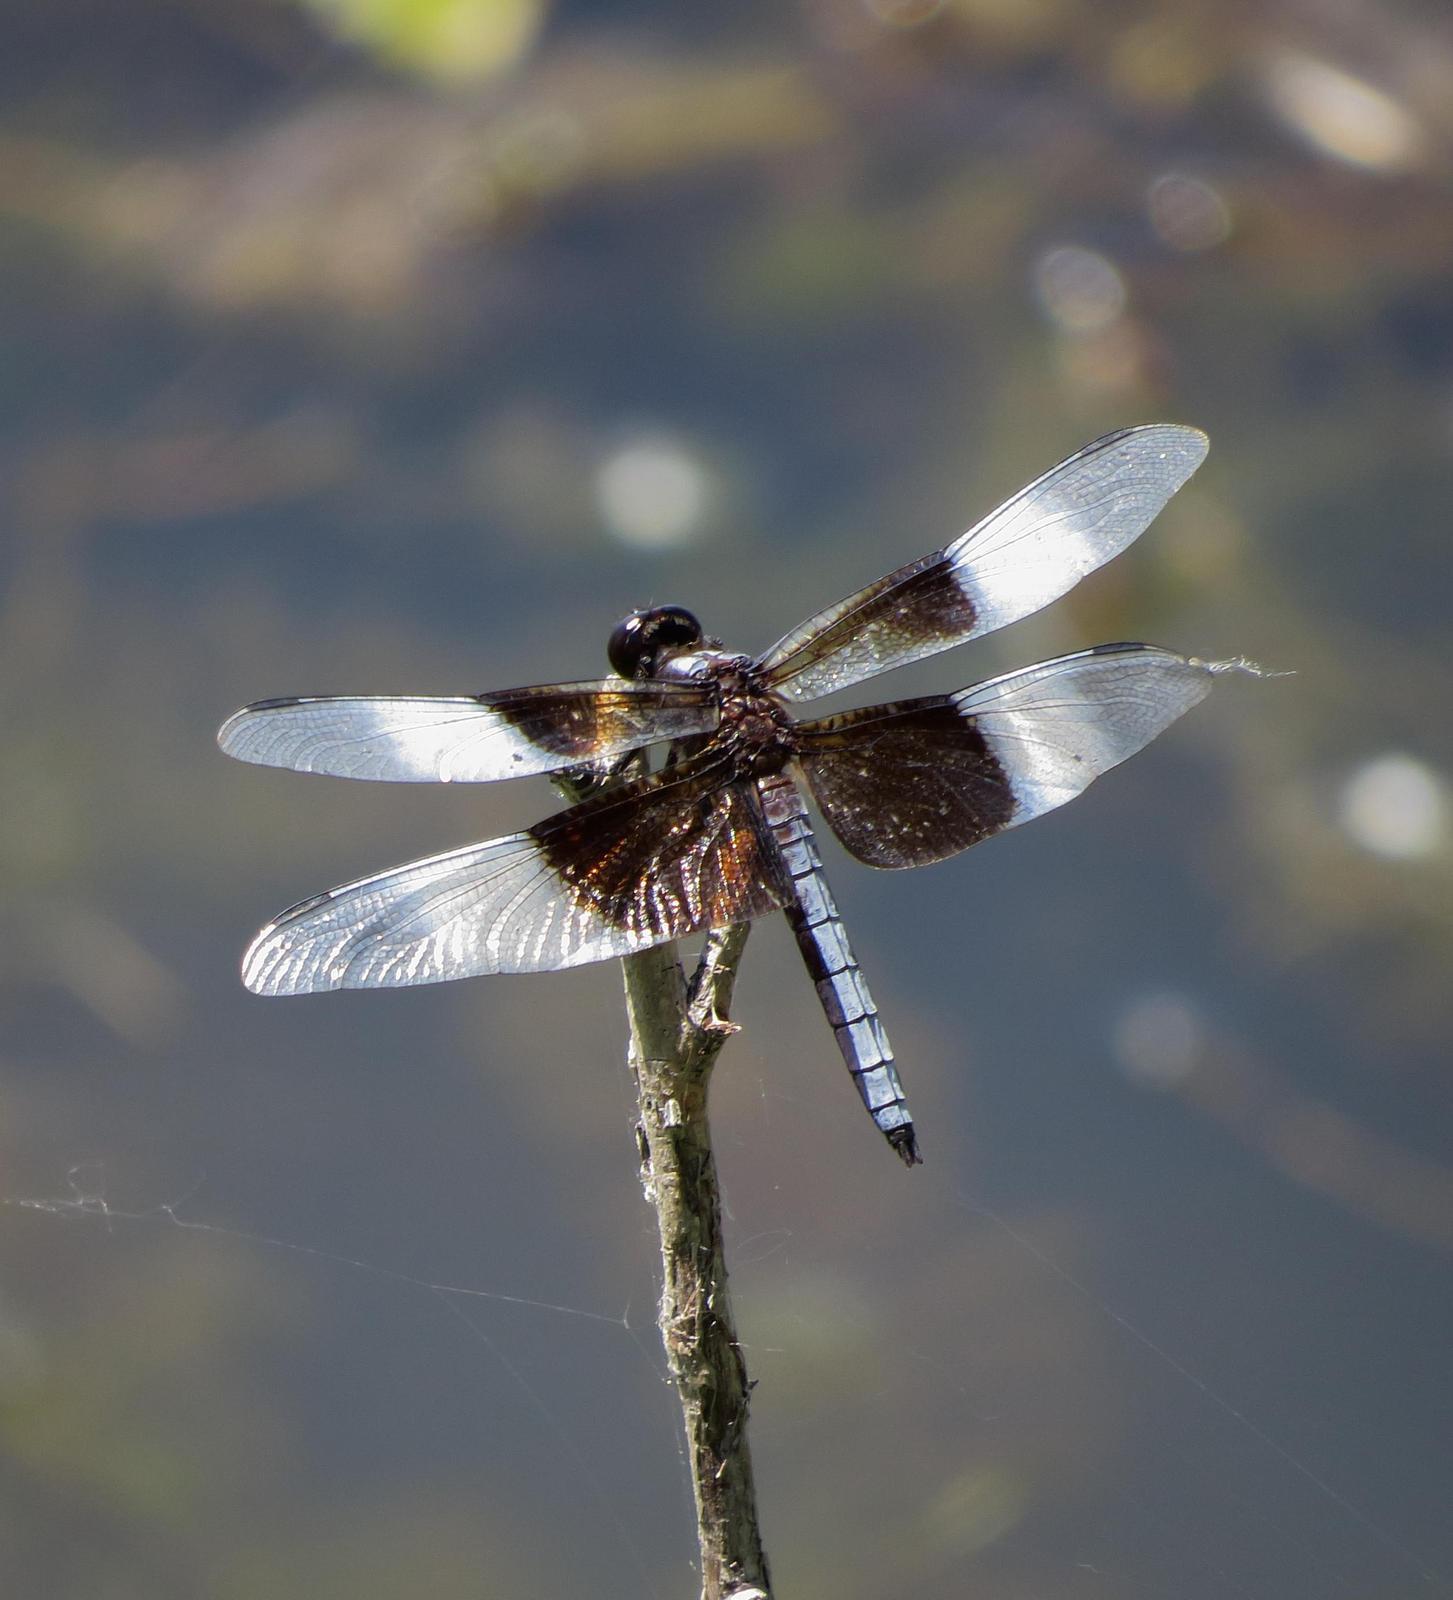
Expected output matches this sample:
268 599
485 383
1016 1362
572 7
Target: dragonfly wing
919 780
659 859
1019 558
470 739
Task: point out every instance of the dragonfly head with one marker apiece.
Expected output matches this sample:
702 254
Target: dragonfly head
646 639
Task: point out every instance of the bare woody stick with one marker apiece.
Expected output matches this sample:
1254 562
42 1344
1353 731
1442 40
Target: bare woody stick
676 1033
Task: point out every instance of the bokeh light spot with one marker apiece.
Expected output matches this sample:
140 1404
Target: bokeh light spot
975 1509
1341 115
1079 290
904 13
1188 214
653 493
1395 806
453 40
1158 1039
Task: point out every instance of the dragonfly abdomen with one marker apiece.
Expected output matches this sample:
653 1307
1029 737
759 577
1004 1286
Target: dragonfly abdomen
829 958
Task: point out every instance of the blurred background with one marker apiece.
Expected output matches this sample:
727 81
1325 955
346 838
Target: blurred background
403 346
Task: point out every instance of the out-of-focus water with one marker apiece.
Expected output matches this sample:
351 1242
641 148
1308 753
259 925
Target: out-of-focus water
369 361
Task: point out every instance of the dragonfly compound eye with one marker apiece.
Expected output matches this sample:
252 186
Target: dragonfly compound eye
638 643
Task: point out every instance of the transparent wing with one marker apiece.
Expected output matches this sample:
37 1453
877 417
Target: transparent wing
472 739
1019 558
656 860
913 782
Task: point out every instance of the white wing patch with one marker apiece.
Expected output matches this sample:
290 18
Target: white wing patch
1055 727
467 739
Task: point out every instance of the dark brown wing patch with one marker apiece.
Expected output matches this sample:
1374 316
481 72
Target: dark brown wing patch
913 612
905 784
668 856
580 722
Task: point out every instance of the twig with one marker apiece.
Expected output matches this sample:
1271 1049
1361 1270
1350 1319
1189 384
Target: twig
676 1032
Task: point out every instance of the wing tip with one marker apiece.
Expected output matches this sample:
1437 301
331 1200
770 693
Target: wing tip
264 974
1191 447
255 974
227 733
264 969
273 981
1231 666
1241 665
1181 447
1192 440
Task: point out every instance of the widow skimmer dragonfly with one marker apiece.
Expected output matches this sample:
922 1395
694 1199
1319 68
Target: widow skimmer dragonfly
719 833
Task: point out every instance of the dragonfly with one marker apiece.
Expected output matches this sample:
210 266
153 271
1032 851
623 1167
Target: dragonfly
702 768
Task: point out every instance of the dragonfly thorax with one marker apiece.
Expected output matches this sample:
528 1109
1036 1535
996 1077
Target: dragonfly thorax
755 722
